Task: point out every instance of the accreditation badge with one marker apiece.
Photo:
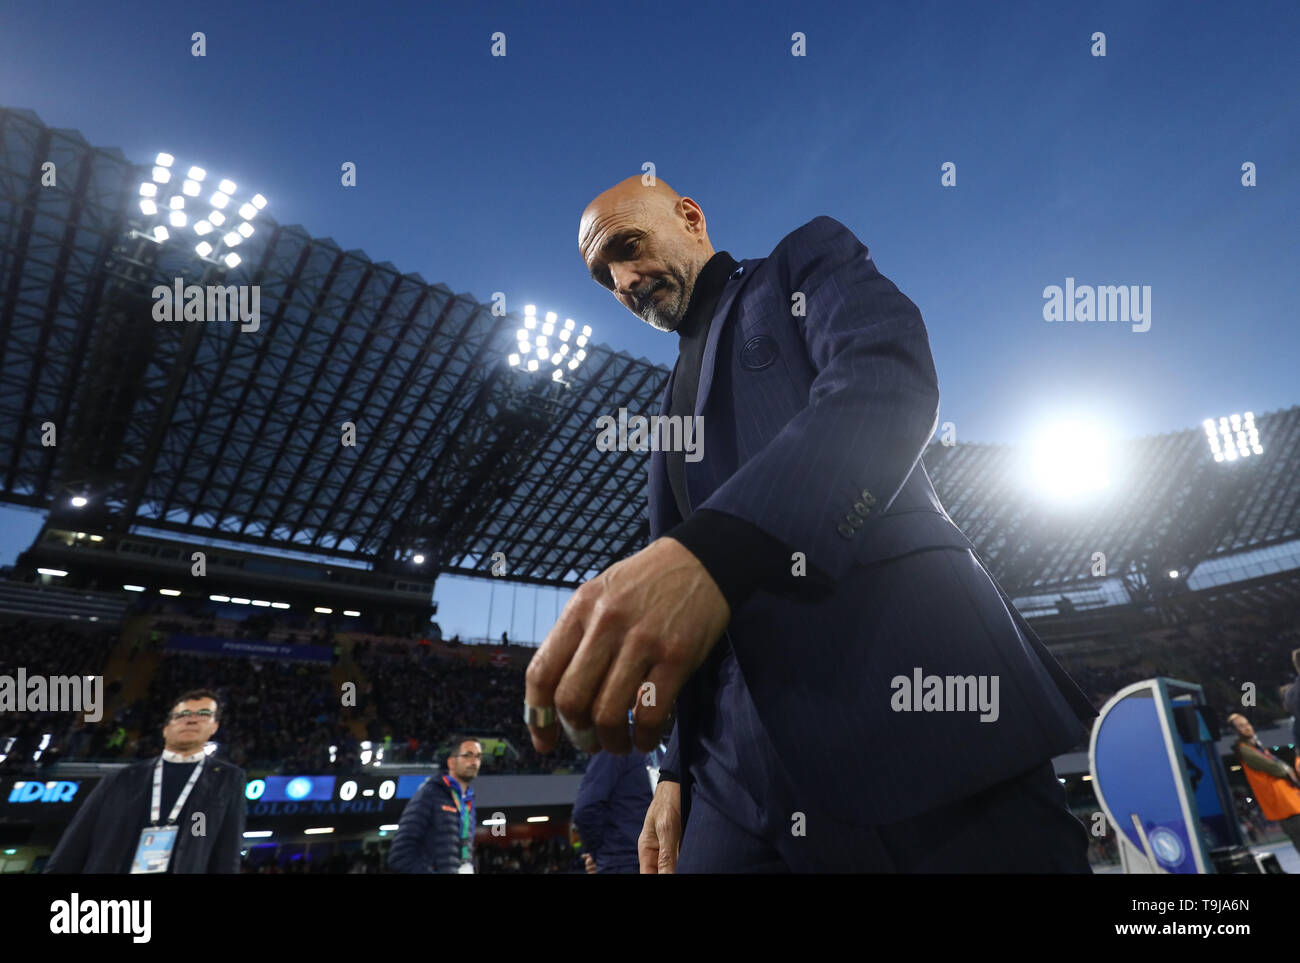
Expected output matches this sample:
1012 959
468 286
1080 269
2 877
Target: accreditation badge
154 850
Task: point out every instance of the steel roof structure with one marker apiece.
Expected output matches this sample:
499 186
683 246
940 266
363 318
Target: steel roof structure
206 429
1170 507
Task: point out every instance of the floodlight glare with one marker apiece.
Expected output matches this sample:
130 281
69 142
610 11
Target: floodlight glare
226 187
217 218
247 212
564 349
543 356
202 227
586 330
530 322
190 188
178 219
219 200
521 335
564 334
568 324
580 340
557 374
259 201
541 341
197 174
1173 573
148 190
160 233
204 248
532 364
530 309
1070 459
78 501
148 208
164 160
176 202
513 359
573 365
418 559
548 328
162 175
550 317
525 347
580 354
232 259
245 229
232 239
1236 437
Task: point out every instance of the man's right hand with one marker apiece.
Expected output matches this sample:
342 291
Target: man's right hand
661 836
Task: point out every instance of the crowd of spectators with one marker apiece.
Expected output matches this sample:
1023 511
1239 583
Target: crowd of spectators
419 699
48 649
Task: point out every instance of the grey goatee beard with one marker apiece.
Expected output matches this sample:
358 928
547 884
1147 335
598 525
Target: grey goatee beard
666 314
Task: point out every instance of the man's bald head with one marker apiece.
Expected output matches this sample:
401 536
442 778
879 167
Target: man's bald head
639 240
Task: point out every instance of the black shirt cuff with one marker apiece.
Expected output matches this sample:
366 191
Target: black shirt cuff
742 558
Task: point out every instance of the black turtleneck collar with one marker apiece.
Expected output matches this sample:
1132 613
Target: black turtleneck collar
705 294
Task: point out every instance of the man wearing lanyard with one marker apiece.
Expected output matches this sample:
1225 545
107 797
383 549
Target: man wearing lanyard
436 831
181 812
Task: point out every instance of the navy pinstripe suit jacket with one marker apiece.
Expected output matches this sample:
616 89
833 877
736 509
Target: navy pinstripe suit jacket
813 425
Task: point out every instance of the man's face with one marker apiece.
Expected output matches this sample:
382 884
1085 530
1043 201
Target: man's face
464 762
1243 727
187 729
648 255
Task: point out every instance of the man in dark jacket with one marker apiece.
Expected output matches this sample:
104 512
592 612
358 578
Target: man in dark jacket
436 831
610 809
200 799
1291 698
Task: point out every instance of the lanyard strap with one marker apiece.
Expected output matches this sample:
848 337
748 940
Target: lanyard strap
155 806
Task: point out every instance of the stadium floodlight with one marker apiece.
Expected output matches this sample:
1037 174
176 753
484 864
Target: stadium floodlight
173 198
161 233
56 572
78 501
548 341
279 605
133 588
1070 460
318 830
322 610
219 598
1233 436
236 600
262 603
352 612
1173 573
232 259
418 559
171 592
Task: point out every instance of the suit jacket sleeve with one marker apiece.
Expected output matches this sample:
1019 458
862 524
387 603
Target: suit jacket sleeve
591 808
73 850
230 841
405 856
872 407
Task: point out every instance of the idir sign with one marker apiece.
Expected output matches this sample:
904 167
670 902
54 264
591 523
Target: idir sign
45 792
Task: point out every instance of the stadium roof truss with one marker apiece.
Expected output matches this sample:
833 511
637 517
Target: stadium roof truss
208 430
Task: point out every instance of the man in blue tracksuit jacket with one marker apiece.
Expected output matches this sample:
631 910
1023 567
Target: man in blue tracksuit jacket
436 831
610 809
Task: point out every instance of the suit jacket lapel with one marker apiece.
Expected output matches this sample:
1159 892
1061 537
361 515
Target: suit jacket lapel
734 284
